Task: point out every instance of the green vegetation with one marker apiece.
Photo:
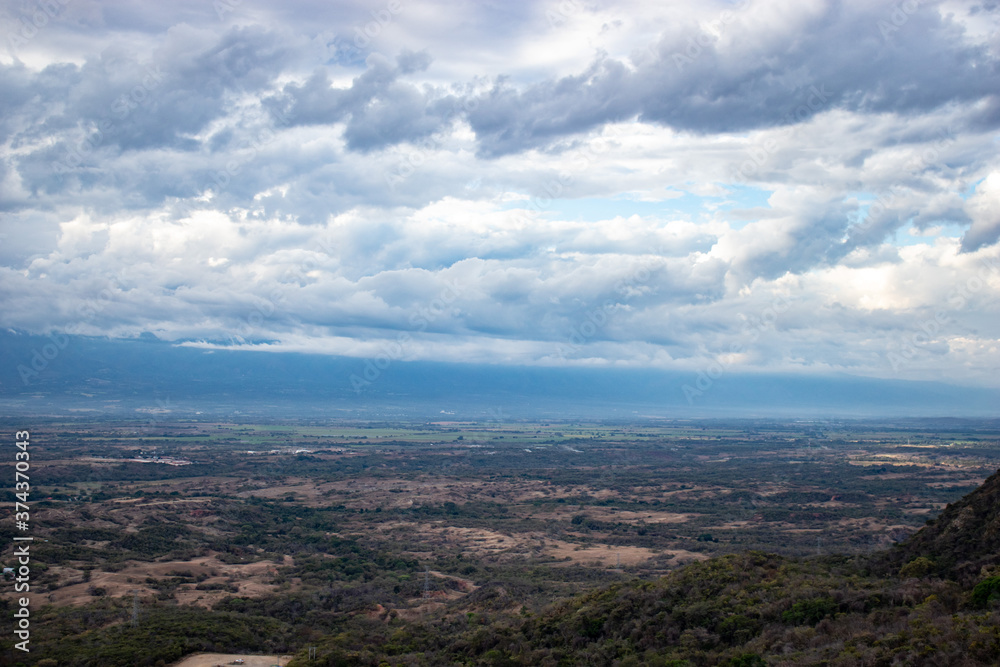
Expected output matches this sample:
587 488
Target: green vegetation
664 543
744 609
102 634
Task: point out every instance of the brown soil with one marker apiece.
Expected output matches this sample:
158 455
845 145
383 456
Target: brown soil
213 659
252 579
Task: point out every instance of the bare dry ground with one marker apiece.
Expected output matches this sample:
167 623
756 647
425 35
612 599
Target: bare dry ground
519 545
615 515
370 492
251 580
479 541
433 602
599 555
213 659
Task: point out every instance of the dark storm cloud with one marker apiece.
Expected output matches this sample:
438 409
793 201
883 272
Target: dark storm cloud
378 109
853 59
84 121
158 102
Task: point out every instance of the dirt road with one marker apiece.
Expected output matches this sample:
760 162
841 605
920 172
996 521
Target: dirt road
213 659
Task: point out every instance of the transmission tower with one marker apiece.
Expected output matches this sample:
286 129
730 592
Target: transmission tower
135 608
427 582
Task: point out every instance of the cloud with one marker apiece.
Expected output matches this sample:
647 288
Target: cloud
553 184
378 109
777 64
984 209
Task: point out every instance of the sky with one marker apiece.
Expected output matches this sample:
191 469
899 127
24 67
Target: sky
800 187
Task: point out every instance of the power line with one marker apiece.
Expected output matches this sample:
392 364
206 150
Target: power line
135 608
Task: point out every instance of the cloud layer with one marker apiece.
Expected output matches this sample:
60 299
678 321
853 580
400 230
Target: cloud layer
803 187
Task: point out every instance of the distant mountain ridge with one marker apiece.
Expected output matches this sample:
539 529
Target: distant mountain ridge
39 373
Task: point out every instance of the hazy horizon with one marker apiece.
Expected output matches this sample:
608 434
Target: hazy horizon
762 205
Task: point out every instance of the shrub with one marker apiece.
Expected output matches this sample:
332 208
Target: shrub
918 567
810 612
986 592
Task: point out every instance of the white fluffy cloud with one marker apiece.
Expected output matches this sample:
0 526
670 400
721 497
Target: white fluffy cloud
555 183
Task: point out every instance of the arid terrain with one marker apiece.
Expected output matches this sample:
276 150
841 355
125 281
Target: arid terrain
420 521
220 659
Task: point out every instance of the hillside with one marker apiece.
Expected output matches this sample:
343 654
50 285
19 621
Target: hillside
964 539
940 606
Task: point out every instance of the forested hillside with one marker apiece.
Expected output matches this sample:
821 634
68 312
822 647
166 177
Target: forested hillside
932 600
